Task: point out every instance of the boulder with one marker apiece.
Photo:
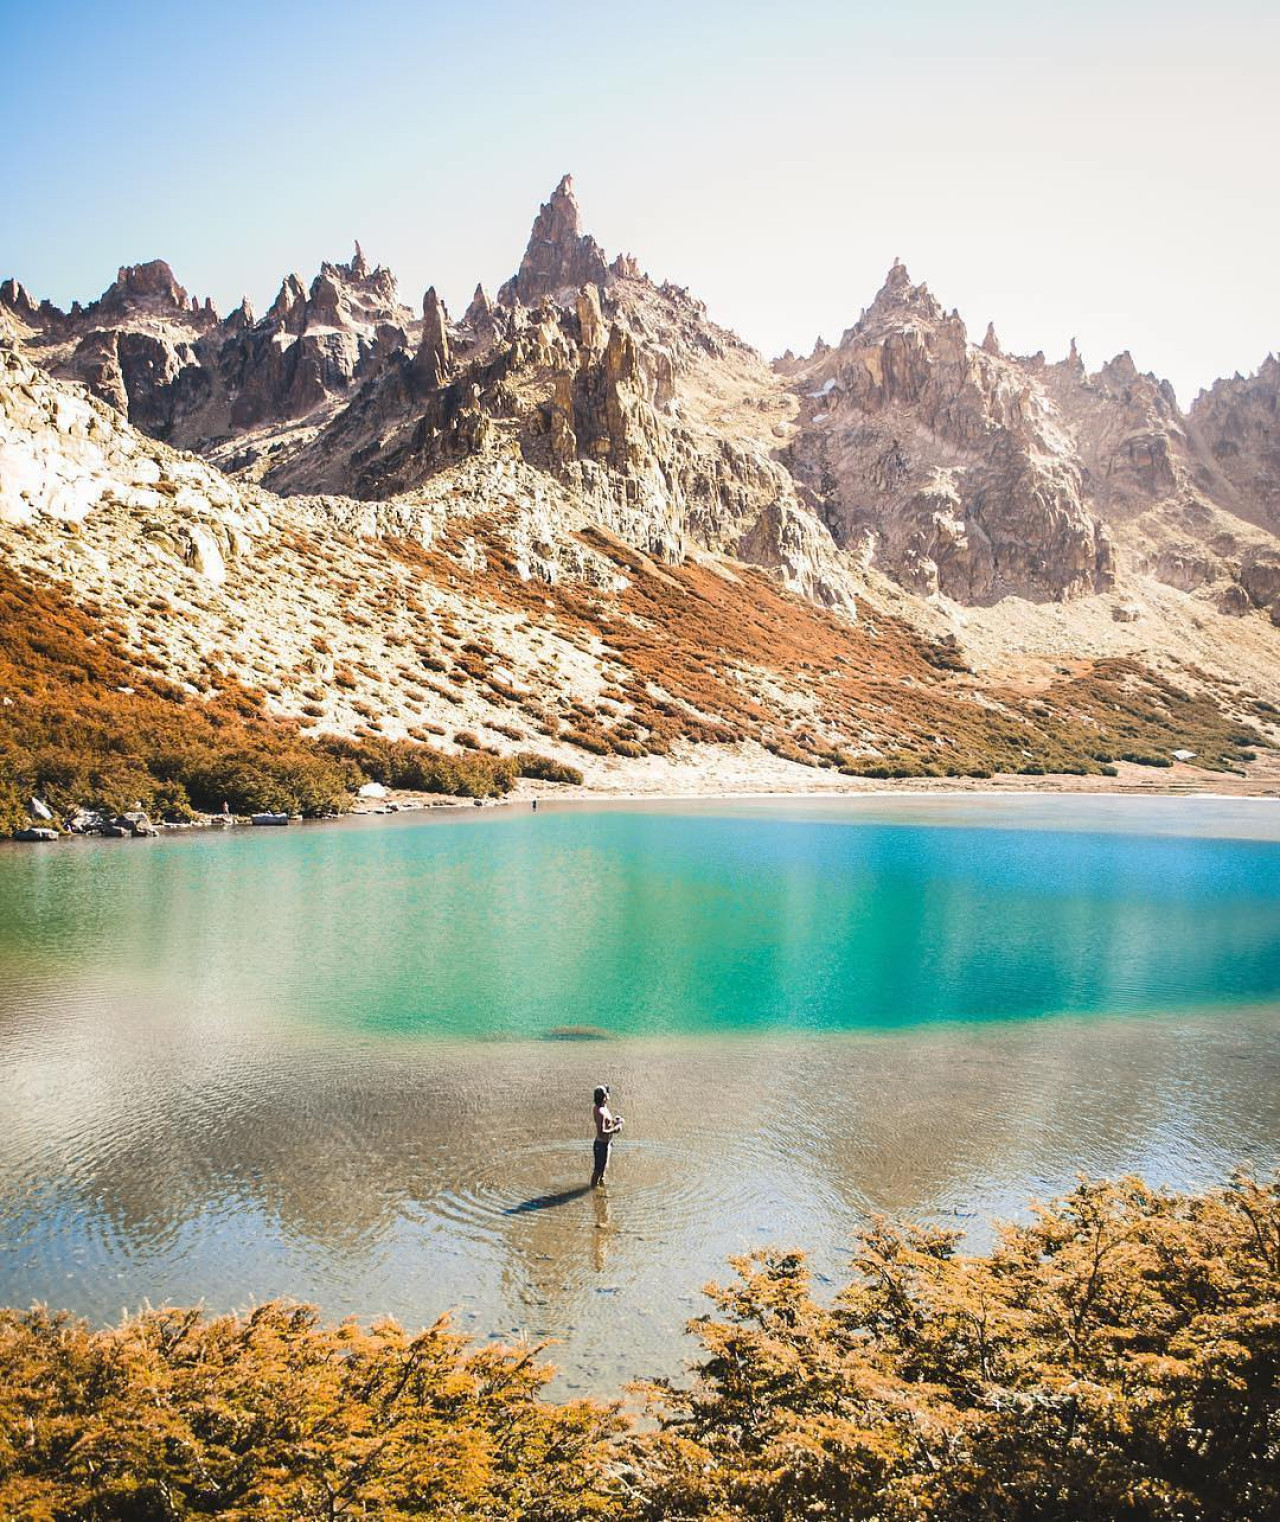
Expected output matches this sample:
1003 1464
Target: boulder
135 823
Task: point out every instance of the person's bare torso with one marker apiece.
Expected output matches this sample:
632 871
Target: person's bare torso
604 1122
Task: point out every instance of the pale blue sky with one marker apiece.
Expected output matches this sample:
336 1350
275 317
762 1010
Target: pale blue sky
1103 170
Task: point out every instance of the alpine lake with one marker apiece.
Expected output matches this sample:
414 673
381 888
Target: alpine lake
352 1063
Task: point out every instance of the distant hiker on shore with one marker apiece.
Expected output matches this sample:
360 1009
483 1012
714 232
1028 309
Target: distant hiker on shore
607 1127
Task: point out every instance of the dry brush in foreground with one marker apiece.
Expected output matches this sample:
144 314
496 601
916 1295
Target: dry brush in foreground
1116 1358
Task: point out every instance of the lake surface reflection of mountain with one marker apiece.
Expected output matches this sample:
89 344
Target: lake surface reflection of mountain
330 1062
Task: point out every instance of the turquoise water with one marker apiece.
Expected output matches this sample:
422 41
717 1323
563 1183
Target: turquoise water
638 923
334 1062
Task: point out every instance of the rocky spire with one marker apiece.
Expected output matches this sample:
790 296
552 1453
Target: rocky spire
991 343
897 281
591 319
289 309
242 318
897 295
481 308
14 296
559 253
359 264
1120 371
431 364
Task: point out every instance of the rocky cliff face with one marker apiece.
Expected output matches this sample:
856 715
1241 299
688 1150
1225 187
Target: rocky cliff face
1236 423
664 425
968 472
180 373
313 346
940 458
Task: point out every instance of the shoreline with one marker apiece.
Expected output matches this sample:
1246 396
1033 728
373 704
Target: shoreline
555 797
687 784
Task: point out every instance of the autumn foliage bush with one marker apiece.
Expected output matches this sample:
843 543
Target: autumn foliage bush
1115 1360
272 1415
544 769
422 768
81 725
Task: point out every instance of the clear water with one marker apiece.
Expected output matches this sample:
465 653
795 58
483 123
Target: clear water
353 1063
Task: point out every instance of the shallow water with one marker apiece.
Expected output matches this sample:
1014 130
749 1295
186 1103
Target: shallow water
333 1062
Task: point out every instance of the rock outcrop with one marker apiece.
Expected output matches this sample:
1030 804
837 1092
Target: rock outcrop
432 364
939 458
168 363
65 455
621 390
1237 423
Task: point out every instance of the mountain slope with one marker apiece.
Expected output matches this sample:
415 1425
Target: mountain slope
450 615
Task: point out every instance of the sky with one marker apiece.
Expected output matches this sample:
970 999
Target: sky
1102 171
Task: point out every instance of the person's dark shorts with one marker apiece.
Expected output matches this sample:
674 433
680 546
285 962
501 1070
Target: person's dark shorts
602 1151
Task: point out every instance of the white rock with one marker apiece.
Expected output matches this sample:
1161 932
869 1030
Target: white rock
203 555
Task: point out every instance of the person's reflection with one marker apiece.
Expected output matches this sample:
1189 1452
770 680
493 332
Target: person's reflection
604 1229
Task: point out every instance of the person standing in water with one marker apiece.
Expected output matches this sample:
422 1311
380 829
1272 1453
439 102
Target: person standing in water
607 1127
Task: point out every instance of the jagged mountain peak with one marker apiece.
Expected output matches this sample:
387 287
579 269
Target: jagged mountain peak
241 318
152 284
954 465
481 307
288 310
358 273
150 289
899 298
1120 369
1238 420
17 299
559 255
